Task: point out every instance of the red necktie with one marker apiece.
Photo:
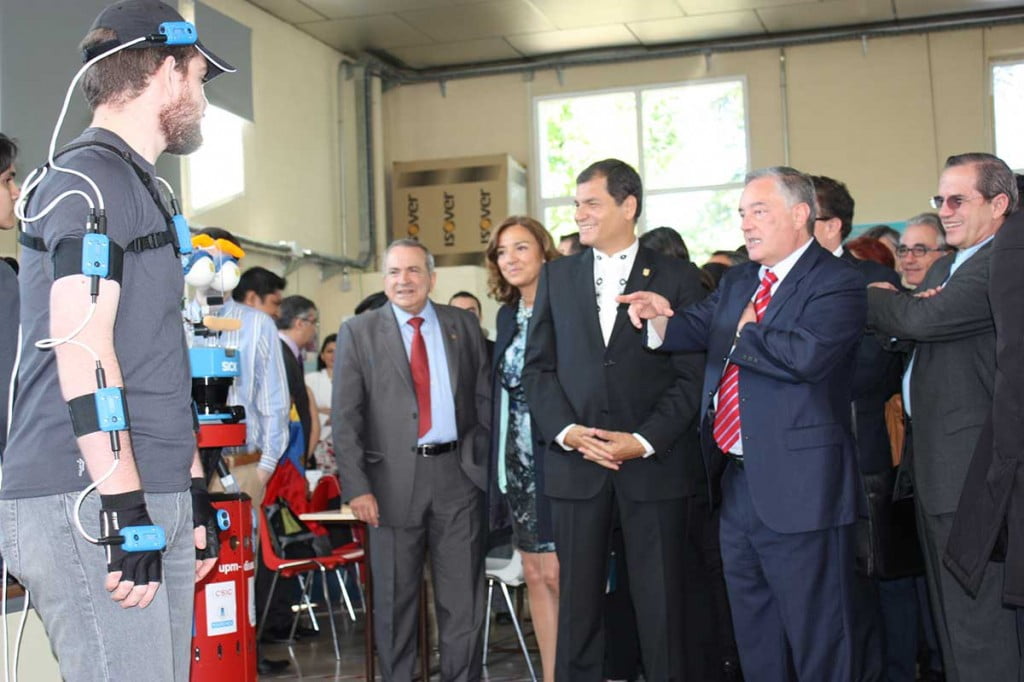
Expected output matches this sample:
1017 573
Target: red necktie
420 367
726 429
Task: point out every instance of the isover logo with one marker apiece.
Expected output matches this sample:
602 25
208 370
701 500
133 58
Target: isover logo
485 216
412 212
449 219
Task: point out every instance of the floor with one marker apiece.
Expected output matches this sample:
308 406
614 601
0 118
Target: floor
313 658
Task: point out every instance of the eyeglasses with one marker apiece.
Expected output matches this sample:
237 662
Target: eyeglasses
919 250
953 201
311 320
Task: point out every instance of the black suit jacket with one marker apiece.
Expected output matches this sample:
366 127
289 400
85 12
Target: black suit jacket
297 389
993 493
876 377
572 378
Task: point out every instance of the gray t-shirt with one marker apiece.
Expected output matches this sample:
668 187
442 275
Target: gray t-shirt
42 456
8 340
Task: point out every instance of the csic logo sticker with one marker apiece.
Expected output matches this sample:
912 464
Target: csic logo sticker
449 219
485 216
412 212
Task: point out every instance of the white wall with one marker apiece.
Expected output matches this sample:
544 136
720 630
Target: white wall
882 119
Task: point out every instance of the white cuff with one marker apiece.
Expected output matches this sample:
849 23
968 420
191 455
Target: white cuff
648 450
560 438
654 343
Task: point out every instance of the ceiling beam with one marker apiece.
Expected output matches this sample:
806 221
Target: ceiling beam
395 73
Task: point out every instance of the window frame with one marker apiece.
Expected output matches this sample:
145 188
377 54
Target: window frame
1006 60
540 204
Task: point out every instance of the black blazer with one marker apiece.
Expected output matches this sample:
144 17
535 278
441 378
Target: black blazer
877 375
572 378
506 329
993 492
297 389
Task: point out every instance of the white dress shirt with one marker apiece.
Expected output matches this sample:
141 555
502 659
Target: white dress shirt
611 272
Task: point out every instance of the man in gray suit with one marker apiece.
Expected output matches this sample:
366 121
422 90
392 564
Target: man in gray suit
947 391
411 412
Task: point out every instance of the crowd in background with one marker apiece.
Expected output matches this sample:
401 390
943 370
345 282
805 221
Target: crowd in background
575 436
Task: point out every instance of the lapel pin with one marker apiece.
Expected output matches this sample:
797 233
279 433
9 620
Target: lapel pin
647 272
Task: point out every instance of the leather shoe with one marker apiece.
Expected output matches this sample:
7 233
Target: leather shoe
269 666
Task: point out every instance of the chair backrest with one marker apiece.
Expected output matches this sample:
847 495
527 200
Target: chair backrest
326 489
275 562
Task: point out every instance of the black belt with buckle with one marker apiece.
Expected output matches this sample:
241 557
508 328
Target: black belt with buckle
435 449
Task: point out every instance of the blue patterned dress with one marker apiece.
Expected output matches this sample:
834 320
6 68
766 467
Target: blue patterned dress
520 472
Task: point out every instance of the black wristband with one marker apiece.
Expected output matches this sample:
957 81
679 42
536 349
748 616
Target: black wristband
121 501
202 509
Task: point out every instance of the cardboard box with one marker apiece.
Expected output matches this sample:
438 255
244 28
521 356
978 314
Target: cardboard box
451 205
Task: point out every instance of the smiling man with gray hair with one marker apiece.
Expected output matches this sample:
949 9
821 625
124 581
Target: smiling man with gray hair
411 413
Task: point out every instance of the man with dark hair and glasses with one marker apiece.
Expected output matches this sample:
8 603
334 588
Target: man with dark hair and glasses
947 392
299 328
922 243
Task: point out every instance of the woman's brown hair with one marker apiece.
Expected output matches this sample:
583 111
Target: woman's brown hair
500 289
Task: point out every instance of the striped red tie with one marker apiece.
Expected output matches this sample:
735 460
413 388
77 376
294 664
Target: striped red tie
726 429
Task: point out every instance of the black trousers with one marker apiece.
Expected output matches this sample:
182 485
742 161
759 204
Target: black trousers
653 533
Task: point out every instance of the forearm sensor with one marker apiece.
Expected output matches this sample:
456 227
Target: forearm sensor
104 410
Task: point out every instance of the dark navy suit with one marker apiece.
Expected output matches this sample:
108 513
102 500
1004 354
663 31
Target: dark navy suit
787 513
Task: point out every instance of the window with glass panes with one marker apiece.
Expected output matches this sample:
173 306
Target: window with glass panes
688 141
1008 109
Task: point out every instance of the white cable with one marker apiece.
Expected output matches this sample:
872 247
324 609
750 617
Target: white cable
47 344
10 407
64 111
26 189
53 204
81 498
21 632
166 184
3 614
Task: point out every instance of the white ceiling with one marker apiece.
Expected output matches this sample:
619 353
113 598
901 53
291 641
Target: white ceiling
431 33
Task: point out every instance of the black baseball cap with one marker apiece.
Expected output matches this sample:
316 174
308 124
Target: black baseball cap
133 19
